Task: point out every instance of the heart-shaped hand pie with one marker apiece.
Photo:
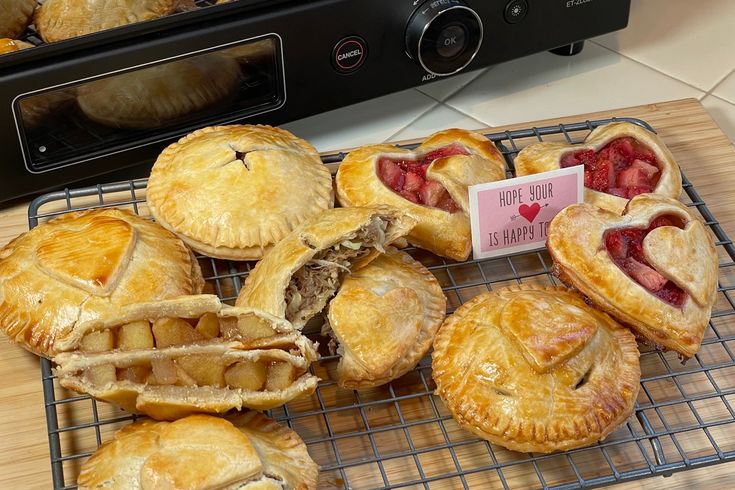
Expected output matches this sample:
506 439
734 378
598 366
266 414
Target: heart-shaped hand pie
621 160
384 319
429 183
654 267
536 369
80 265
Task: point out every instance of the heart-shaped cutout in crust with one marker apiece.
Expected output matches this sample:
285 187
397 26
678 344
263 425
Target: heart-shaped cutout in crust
430 183
636 293
547 329
621 160
380 329
676 254
91 256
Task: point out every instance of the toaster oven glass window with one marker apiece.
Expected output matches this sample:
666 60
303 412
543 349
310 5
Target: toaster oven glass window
153 103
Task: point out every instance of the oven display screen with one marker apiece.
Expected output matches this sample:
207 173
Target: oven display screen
107 115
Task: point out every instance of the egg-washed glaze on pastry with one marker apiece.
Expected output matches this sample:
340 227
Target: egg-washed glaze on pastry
429 184
15 15
162 94
621 160
191 354
233 191
297 277
82 265
535 369
57 20
243 451
11 45
384 319
654 267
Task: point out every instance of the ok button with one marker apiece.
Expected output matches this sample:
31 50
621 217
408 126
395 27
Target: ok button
451 41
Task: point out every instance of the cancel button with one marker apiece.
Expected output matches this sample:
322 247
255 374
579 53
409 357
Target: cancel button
349 54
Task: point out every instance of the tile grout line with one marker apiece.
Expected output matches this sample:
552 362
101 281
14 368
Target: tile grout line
422 114
488 125
451 94
711 92
652 68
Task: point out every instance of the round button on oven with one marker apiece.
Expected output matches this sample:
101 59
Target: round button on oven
515 11
349 54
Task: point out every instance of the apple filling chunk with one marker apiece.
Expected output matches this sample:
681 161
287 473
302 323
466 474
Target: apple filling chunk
201 370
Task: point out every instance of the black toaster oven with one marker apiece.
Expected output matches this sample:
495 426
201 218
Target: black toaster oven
96 104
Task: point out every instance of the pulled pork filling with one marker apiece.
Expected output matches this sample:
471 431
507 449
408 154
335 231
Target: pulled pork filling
314 283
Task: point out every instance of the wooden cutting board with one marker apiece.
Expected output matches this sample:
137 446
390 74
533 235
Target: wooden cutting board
702 150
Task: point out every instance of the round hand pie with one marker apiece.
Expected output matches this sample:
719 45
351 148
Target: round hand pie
159 95
57 20
535 369
384 319
621 160
303 271
232 192
15 15
171 358
429 184
653 268
243 451
10 45
82 265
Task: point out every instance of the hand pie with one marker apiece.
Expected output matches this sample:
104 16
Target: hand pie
535 369
202 452
15 15
654 268
232 192
159 95
171 358
79 266
384 319
429 184
301 273
621 160
56 20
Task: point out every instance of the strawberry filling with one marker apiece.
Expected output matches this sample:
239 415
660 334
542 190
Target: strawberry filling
408 178
625 168
625 247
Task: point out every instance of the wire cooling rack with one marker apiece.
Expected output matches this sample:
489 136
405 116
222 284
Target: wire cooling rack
400 435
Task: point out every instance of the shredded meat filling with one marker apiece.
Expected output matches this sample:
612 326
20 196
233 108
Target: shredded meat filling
313 284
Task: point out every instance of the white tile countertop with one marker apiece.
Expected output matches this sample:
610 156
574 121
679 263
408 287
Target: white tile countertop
671 49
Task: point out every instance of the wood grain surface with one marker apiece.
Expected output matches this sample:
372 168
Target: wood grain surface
701 149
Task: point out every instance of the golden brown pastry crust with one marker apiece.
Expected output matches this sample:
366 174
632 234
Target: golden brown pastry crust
57 20
162 94
201 451
15 15
535 369
446 234
385 317
168 402
81 266
686 257
265 287
10 45
223 207
544 157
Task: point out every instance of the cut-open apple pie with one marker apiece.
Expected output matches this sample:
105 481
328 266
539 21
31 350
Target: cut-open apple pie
429 184
85 265
621 160
654 267
191 354
296 279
